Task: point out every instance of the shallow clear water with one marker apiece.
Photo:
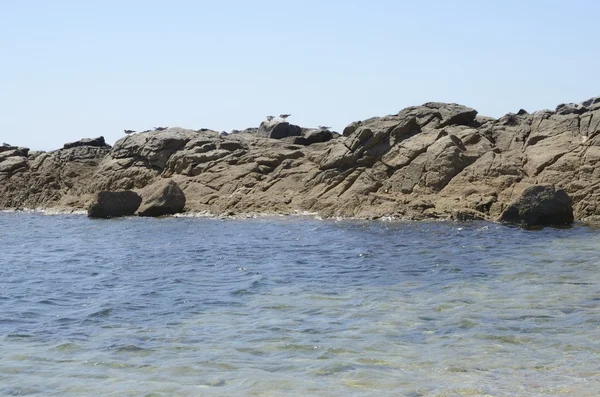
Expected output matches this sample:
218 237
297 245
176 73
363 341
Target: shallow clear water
295 306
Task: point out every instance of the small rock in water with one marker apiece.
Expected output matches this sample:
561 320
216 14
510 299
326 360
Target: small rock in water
114 204
540 205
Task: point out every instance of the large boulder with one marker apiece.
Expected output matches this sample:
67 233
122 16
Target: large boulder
114 204
164 197
540 205
11 164
278 129
96 142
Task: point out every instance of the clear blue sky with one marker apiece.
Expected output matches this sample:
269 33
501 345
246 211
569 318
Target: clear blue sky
74 69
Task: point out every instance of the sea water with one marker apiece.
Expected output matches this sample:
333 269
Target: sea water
296 307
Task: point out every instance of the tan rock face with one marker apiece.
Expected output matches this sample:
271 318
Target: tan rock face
163 197
431 161
50 180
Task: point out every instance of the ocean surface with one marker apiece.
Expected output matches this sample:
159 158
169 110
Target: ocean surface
296 307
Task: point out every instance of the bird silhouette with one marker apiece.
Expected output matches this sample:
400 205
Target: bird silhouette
324 127
128 131
284 116
270 118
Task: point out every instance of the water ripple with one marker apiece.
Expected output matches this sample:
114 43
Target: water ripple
286 306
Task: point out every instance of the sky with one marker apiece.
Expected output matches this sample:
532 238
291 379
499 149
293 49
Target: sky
76 69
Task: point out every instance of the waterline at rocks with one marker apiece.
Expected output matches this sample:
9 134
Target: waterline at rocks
434 161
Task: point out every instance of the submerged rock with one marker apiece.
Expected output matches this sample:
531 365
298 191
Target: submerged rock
541 205
114 204
164 197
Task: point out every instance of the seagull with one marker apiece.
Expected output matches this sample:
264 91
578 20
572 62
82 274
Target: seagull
160 128
128 131
324 127
270 118
284 116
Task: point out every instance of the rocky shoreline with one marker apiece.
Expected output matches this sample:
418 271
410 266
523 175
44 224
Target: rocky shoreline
435 161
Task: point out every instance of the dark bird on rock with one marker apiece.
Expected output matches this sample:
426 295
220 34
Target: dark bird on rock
128 131
284 116
160 128
270 118
324 127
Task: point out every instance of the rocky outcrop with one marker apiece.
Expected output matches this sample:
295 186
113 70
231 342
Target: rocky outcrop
436 160
114 204
541 205
5 147
164 197
12 158
59 179
311 135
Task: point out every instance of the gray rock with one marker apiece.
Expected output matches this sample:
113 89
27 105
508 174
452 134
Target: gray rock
349 130
12 164
310 136
5 147
32 155
155 147
540 205
14 150
570 108
278 129
452 113
164 197
317 136
591 101
96 142
114 204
